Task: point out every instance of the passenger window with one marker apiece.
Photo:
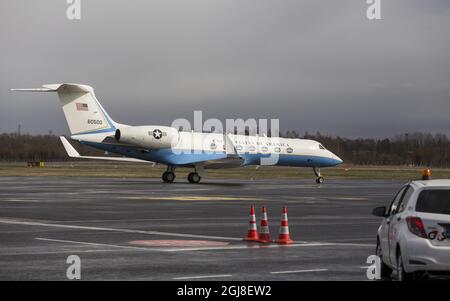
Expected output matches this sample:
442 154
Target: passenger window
404 200
396 200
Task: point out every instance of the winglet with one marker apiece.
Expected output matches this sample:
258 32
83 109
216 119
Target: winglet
230 149
71 151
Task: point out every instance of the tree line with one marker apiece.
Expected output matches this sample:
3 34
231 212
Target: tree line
409 149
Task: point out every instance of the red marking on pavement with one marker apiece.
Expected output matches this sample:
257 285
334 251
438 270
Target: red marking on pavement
178 243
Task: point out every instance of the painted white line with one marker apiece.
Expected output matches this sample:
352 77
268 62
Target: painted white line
262 246
242 247
300 271
177 249
238 247
96 244
56 252
46 224
347 244
202 277
351 239
25 201
30 223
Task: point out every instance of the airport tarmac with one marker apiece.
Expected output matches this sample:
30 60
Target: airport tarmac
142 229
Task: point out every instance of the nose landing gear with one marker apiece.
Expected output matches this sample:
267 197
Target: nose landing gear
319 179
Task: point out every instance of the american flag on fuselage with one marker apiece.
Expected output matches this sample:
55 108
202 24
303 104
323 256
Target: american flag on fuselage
82 106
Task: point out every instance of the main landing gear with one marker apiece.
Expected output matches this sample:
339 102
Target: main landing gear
169 175
194 178
319 179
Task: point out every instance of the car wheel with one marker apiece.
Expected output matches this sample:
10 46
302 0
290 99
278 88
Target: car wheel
401 274
385 271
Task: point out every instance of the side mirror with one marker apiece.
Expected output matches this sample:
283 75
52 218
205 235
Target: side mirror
379 211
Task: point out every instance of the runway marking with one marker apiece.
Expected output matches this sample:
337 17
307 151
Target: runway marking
21 201
352 239
352 244
238 247
202 277
56 252
178 243
29 223
351 199
243 247
90 243
260 246
186 249
300 271
94 244
193 198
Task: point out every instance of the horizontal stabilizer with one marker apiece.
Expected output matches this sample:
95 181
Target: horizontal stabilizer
34 90
58 87
72 152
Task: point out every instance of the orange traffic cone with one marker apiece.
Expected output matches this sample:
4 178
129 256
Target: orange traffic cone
264 235
284 237
252 234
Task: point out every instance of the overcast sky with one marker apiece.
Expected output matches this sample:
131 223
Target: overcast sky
317 65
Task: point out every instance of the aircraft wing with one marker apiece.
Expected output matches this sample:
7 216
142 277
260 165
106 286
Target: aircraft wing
228 162
72 152
233 159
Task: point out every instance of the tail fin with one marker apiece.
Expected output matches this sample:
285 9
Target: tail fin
84 114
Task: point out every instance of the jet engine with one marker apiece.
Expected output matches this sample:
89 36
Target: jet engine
148 136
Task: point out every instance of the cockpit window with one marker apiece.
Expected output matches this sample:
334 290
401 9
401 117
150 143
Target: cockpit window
321 146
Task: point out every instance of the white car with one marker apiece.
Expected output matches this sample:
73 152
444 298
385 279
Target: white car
414 237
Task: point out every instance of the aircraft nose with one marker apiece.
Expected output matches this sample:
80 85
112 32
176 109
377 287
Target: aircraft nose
336 159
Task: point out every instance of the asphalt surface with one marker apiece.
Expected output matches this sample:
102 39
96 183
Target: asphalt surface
186 231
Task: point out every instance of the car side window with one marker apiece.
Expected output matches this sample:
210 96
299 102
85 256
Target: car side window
396 201
404 200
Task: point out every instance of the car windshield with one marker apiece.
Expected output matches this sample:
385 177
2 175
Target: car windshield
434 201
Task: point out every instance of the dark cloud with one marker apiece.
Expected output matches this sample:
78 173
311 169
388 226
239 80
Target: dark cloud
316 65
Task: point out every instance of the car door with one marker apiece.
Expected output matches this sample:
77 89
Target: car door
396 219
384 232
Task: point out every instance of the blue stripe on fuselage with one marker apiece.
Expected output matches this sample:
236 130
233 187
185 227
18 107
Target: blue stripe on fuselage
167 156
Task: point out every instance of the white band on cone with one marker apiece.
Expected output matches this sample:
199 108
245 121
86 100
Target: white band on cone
264 230
284 230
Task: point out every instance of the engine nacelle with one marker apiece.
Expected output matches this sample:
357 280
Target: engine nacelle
148 136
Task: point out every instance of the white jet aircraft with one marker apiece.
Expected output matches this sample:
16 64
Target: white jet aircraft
91 125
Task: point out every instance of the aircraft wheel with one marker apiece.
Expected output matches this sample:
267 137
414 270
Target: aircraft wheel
168 177
194 178
319 180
